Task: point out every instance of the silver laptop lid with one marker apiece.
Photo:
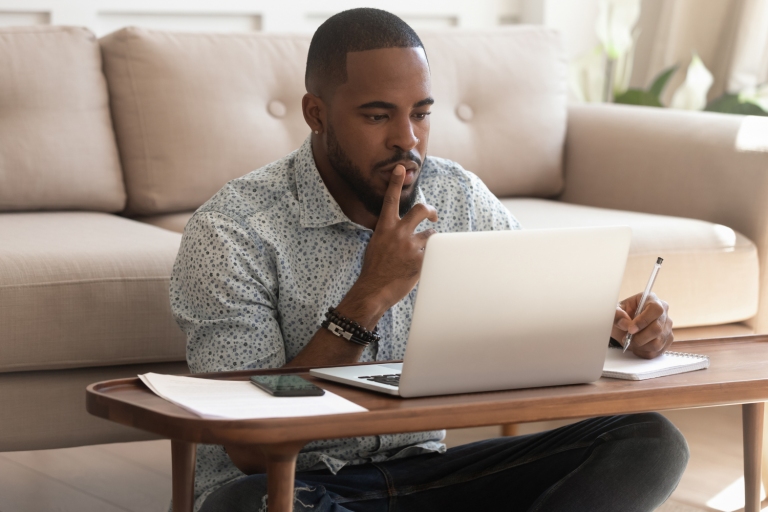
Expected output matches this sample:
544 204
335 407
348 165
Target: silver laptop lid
511 309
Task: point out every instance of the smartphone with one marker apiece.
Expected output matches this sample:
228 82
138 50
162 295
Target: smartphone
286 385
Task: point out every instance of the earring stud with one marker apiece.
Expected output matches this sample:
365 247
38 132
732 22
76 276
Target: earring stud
317 132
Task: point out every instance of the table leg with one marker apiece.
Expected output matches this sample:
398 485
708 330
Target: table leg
764 465
183 456
281 470
752 424
509 430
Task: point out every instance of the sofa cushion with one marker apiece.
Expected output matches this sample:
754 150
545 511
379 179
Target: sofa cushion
57 146
171 221
193 111
46 409
710 272
500 106
82 289
713 331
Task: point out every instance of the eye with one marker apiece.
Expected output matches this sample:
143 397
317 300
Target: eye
378 117
421 115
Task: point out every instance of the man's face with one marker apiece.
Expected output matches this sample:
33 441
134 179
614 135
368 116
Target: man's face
378 119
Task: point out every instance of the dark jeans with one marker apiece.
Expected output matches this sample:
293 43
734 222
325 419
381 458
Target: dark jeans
617 463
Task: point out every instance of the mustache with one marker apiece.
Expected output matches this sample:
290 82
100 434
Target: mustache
399 157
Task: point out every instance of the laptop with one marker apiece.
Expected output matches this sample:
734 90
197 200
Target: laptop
501 310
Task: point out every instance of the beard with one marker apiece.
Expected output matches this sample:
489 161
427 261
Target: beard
364 191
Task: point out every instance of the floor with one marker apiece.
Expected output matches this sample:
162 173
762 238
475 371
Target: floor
136 477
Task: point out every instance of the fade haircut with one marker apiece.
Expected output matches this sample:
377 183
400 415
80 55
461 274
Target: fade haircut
355 30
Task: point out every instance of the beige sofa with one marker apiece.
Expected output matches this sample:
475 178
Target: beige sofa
107 147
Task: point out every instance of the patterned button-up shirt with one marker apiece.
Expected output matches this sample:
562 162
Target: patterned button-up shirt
262 261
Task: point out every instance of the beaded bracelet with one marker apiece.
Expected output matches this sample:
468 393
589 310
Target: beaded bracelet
343 327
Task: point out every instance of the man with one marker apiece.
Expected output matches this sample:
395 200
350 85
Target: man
342 222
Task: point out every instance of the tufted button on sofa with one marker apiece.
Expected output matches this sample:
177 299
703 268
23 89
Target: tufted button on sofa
108 146
464 112
277 108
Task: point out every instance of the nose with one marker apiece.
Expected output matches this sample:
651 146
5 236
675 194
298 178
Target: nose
401 136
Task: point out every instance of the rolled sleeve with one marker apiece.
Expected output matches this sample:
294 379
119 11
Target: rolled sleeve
223 296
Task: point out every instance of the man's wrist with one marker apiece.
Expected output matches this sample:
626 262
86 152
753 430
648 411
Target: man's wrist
365 308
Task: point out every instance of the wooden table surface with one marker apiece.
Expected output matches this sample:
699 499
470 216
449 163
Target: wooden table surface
738 374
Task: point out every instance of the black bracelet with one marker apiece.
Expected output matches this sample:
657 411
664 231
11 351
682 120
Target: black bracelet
343 327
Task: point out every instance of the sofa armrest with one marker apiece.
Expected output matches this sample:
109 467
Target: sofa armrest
669 162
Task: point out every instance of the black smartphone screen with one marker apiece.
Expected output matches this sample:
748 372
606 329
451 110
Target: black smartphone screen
286 385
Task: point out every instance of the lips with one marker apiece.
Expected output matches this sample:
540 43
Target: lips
411 171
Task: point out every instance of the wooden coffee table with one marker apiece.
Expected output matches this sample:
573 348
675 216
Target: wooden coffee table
738 374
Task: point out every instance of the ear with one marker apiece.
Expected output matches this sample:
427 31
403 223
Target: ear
315 112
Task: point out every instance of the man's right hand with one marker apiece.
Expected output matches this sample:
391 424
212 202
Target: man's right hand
394 255
391 269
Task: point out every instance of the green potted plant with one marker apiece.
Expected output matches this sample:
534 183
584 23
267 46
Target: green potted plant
603 74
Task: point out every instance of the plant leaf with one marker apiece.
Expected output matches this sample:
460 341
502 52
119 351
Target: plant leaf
660 82
638 97
756 95
729 104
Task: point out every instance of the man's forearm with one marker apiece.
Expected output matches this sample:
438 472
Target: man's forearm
325 348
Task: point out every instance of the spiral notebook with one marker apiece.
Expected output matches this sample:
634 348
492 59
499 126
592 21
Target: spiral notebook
627 366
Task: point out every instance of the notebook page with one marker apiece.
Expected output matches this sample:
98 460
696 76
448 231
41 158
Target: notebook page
210 398
626 365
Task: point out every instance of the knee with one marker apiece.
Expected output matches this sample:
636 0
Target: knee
669 447
673 439
250 494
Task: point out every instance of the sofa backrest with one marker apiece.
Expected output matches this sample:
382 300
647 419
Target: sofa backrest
192 111
57 146
501 106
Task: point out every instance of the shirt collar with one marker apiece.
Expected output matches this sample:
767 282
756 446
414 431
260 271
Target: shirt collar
318 207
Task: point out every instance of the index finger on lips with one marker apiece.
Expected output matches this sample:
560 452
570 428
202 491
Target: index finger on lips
390 210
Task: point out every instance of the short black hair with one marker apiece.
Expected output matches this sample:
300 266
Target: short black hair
355 30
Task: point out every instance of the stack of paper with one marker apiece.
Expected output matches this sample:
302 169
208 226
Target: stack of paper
227 399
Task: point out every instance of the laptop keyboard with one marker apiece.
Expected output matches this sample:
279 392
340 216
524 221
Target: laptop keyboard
390 380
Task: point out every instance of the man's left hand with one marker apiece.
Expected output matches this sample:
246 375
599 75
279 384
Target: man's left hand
651 330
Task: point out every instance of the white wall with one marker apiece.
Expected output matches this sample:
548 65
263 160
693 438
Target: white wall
104 16
574 19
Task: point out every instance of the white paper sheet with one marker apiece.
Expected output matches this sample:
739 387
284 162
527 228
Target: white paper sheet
226 399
